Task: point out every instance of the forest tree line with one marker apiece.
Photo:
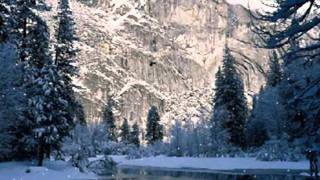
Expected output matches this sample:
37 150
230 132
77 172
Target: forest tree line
38 104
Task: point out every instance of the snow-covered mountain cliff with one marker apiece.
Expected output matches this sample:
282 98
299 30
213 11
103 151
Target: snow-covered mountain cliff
163 53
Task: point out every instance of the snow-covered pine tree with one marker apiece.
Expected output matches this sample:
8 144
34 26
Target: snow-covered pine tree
38 57
109 121
65 58
275 72
47 107
300 86
24 17
230 109
267 114
134 135
219 114
12 99
154 128
256 130
43 122
65 52
65 55
23 24
124 134
301 82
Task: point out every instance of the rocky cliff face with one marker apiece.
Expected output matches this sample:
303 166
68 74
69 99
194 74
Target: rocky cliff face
158 52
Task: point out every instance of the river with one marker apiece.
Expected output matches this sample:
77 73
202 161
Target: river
148 173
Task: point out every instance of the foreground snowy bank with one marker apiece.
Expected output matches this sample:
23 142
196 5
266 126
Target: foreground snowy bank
210 163
51 170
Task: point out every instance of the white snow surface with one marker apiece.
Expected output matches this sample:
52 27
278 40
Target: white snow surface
210 163
52 170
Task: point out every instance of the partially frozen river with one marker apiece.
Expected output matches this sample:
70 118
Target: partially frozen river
188 168
149 173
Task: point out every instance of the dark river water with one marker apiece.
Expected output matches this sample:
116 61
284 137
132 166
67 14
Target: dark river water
137 173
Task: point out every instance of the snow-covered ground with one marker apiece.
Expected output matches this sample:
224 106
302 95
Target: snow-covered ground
64 171
52 170
211 163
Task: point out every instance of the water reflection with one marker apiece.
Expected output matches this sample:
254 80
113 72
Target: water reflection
130 173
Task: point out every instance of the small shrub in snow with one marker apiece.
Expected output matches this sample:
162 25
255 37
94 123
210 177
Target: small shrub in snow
145 152
273 150
134 154
159 148
105 166
80 159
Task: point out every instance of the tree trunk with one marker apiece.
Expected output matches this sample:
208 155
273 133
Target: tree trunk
48 151
40 154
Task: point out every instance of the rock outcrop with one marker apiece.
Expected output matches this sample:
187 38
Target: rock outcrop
159 52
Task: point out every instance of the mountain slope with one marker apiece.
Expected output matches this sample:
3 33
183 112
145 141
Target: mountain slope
163 53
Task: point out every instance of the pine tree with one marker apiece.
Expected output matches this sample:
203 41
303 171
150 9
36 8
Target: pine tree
24 18
37 59
300 87
24 25
109 121
230 109
134 135
47 108
266 120
43 122
256 130
219 115
125 131
275 73
154 128
12 98
65 58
